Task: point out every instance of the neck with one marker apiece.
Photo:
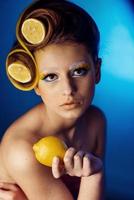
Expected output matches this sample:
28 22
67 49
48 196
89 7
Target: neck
59 123
60 126
66 129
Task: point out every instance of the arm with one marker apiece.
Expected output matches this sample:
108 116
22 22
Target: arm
11 191
90 169
92 187
33 178
84 165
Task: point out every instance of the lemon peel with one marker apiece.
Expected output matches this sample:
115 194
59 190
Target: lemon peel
33 30
19 72
47 148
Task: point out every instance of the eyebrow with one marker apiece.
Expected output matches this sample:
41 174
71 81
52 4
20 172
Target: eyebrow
72 66
79 64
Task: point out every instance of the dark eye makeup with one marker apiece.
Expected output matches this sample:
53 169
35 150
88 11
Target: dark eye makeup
80 71
50 77
76 72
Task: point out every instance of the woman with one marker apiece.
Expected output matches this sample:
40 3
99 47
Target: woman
59 55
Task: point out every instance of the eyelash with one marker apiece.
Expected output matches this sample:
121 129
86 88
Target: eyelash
84 72
82 69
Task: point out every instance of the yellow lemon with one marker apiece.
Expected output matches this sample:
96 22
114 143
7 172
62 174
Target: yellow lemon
47 148
33 30
19 72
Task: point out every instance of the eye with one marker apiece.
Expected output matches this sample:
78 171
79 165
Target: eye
80 71
50 77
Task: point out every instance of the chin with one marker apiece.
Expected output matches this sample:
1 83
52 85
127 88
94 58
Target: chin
72 115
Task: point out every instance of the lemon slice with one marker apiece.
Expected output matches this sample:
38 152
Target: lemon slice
19 72
33 31
47 148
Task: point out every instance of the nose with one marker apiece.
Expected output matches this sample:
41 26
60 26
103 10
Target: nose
68 87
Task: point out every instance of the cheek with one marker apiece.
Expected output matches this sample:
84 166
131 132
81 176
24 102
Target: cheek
88 85
48 95
88 91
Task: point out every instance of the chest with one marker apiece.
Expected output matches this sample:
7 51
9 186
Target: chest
84 138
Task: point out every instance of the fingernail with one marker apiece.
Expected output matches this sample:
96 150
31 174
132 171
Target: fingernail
55 159
56 176
86 157
71 149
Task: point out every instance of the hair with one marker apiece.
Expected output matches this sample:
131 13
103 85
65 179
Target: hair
64 21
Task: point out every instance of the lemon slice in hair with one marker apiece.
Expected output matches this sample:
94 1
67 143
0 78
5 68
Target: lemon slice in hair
19 72
33 30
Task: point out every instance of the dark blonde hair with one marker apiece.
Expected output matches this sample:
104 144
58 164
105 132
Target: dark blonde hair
63 21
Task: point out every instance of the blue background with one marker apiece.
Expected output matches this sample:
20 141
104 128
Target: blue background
114 95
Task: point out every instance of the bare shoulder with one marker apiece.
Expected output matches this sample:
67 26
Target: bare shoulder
18 154
19 134
29 122
97 125
22 133
20 161
96 113
26 171
32 119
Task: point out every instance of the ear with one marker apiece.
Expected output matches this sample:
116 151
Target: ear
37 91
98 70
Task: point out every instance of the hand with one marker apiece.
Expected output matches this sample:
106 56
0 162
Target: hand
80 164
10 191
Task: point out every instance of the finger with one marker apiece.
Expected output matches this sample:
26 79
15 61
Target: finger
78 163
87 165
57 169
8 186
91 164
97 164
68 159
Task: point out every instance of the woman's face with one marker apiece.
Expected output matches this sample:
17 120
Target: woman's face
68 79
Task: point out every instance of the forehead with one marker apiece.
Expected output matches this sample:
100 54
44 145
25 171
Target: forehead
61 55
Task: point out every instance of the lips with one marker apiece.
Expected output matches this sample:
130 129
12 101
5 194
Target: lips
69 105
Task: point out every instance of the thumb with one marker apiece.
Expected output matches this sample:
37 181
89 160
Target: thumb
57 167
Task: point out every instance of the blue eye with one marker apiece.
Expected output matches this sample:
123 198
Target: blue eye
80 71
50 77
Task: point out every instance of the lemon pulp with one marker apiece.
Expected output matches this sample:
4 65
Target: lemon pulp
33 30
19 72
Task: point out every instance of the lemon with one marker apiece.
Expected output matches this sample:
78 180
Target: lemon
47 148
19 72
33 30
